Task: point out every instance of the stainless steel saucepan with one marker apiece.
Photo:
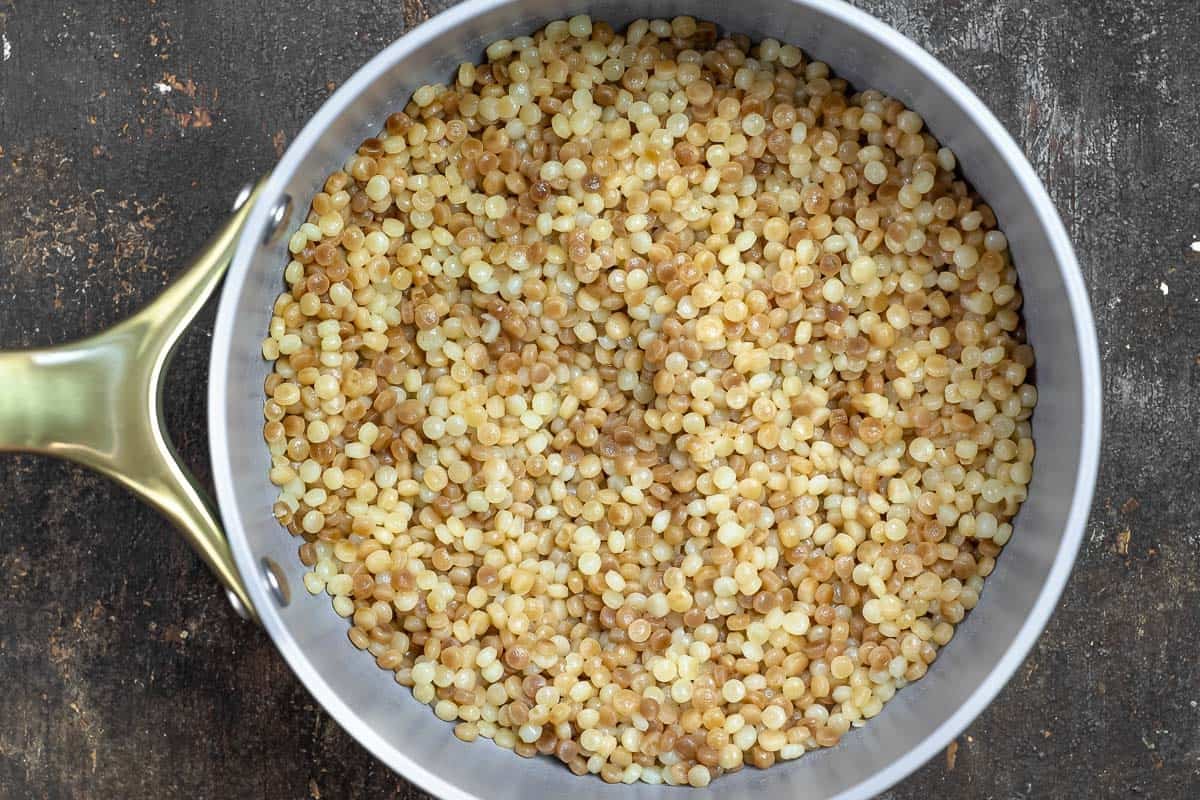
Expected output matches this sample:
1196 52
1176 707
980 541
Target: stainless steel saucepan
97 402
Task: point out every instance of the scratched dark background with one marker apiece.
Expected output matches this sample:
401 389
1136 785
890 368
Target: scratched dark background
127 127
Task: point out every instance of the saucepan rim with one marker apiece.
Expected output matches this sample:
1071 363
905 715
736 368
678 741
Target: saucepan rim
933 71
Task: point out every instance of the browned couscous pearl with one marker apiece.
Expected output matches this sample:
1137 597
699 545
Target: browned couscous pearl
651 400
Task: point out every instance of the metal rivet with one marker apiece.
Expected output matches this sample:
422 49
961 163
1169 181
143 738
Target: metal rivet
243 196
238 607
279 215
277 581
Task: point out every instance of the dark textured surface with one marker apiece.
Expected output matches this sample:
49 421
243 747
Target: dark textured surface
127 127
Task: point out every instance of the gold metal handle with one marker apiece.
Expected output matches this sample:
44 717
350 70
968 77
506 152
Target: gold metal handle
98 402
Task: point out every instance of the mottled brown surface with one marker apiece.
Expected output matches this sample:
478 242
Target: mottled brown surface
125 129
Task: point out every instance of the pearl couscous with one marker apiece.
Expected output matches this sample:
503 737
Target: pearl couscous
651 400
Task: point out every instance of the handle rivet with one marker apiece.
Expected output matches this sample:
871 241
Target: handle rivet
280 212
243 196
277 581
239 607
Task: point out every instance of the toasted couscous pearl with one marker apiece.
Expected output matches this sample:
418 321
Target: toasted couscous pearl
649 399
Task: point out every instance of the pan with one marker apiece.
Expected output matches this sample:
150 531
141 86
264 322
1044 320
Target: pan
98 402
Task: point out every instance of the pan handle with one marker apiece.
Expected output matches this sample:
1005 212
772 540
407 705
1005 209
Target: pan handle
98 402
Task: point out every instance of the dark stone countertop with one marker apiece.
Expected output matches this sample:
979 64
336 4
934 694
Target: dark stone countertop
127 126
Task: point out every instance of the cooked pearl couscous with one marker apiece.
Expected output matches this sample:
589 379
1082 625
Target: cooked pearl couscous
651 400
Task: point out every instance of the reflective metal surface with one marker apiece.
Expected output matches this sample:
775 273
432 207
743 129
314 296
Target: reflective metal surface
98 402
1018 597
